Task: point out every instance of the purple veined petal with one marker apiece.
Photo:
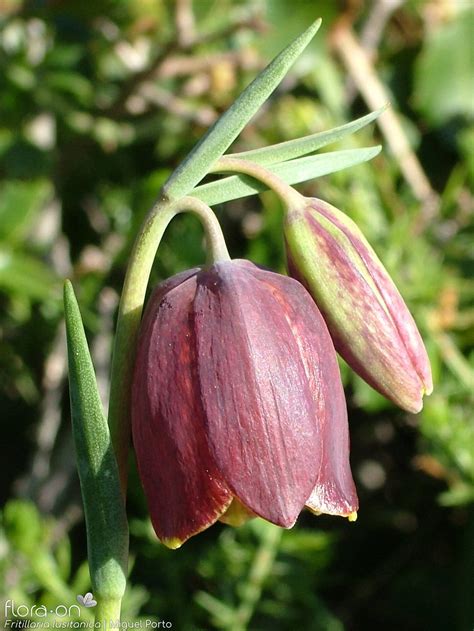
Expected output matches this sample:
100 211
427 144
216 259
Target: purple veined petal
401 316
334 492
361 326
261 409
185 492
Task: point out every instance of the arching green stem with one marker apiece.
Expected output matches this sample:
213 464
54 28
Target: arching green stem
131 306
287 194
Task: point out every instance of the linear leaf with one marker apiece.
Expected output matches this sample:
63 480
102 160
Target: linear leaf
291 149
228 126
106 521
291 172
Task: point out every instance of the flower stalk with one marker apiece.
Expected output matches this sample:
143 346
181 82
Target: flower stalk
289 196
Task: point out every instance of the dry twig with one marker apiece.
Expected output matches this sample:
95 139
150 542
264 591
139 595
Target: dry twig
371 88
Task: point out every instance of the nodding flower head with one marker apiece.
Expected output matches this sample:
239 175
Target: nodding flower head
368 320
237 404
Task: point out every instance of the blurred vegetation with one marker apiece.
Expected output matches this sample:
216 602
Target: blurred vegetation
99 102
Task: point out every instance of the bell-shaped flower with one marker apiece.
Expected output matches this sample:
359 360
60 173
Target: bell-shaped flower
237 404
369 322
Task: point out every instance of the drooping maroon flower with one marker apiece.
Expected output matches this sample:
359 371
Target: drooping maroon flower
237 403
368 320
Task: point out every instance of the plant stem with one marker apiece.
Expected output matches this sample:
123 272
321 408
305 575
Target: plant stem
290 197
261 568
107 613
131 306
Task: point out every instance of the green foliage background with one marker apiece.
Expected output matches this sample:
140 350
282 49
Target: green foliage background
99 102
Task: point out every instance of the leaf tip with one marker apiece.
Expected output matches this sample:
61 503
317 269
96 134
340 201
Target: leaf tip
378 112
300 43
312 29
376 150
68 292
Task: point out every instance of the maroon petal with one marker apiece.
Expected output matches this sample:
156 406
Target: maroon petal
334 492
261 411
184 491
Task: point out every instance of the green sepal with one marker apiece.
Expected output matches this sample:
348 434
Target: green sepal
291 172
228 126
106 520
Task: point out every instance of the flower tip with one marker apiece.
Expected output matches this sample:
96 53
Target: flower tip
412 404
428 388
237 514
173 543
287 524
416 408
352 516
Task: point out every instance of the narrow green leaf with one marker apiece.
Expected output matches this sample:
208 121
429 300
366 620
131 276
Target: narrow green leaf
291 149
224 131
106 521
292 172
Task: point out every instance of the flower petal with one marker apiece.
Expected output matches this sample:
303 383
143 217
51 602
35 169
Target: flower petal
334 492
185 492
260 409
